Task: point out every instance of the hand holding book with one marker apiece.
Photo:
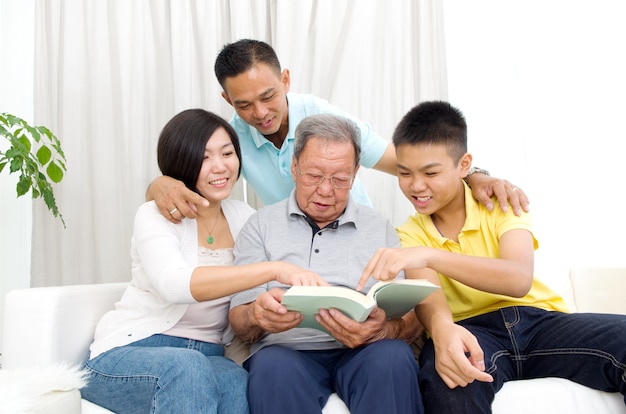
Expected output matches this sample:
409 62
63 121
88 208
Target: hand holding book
396 297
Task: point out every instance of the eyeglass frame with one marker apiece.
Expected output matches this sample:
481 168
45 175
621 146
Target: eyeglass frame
323 178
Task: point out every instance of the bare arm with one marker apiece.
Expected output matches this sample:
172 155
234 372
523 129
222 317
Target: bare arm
212 282
388 162
510 274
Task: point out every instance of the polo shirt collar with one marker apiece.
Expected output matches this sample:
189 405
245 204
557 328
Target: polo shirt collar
472 210
295 112
349 215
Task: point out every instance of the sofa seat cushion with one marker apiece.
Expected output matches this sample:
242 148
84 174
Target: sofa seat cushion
554 395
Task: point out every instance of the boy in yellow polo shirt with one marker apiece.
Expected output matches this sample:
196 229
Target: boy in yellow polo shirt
492 321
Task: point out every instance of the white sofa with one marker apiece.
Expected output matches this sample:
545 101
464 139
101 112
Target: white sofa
44 326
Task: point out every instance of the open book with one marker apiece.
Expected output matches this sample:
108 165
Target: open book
396 297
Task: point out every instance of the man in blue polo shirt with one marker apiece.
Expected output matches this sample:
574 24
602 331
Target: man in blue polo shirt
266 116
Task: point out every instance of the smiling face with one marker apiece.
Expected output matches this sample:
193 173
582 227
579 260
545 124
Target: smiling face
323 203
430 179
220 167
259 96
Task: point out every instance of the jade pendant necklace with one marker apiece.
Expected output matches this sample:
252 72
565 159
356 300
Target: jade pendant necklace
210 238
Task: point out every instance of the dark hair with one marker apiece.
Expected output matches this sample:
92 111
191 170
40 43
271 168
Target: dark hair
182 144
434 122
329 127
238 57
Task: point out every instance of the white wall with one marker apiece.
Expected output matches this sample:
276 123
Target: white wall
17 20
542 86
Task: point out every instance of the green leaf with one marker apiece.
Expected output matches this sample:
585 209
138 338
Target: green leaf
33 132
16 164
12 153
23 185
2 166
25 142
43 155
54 172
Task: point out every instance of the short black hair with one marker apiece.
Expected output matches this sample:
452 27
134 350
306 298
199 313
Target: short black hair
238 57
182 144
433 122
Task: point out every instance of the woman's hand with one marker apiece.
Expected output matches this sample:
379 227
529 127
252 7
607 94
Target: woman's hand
289 274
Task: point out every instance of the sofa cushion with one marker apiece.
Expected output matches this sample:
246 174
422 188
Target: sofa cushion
554 395
599 289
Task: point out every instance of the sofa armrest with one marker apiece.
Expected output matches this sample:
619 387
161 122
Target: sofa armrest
599 289
46 325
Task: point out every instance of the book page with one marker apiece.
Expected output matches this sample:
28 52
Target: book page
397 297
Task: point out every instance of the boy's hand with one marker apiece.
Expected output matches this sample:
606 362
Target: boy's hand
484 187
459 359
174 200
388 262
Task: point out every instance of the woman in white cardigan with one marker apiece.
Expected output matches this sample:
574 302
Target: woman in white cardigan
161 349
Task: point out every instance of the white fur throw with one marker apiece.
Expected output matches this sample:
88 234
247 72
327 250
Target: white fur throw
20 388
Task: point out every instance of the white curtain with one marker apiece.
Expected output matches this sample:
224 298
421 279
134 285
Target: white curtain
110 74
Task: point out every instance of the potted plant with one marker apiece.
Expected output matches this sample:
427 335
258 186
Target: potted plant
36 154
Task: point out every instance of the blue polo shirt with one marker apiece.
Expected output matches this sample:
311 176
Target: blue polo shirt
268 169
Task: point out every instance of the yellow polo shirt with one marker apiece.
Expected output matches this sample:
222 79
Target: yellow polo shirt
480 236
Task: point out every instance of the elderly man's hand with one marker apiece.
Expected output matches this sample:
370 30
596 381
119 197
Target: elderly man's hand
271 315
352 333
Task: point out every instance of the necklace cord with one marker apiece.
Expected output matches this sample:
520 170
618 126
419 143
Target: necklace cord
210 239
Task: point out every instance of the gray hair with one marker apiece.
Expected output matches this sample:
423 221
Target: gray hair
328 127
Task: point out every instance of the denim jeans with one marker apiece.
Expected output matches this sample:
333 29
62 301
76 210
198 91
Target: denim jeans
377 378
525 343
166 374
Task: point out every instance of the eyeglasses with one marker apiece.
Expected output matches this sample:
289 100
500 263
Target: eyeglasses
336 181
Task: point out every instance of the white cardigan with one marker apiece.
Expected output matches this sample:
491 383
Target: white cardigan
164 256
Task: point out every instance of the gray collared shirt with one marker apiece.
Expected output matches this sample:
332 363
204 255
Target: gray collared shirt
281 232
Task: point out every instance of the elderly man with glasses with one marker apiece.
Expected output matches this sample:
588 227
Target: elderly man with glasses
370 365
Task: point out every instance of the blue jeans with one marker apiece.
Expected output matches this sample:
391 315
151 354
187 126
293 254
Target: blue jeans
166 374
525 343
376 378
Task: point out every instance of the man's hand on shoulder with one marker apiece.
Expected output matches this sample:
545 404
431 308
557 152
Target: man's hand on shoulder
484 187
174 200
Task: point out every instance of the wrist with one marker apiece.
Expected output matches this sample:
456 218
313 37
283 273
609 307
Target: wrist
393 327
254 331
406 328
472 171
440 323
